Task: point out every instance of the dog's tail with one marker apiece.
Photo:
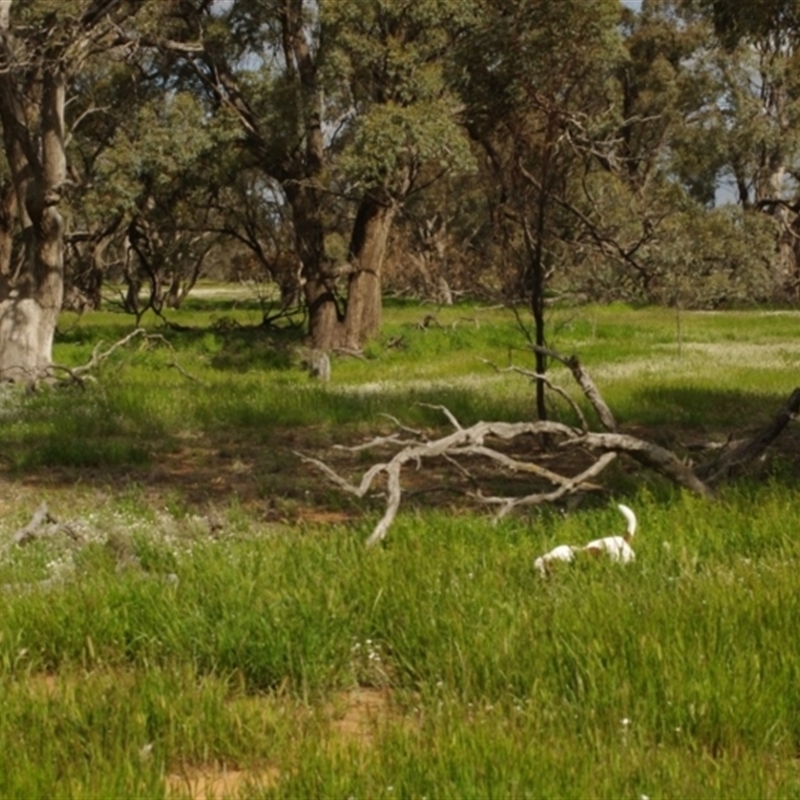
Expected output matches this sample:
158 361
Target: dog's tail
631 517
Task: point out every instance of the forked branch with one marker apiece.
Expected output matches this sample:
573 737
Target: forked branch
474 441
80 373
733 460
461 442
586 383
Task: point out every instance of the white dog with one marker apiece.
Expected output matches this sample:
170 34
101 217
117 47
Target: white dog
617 548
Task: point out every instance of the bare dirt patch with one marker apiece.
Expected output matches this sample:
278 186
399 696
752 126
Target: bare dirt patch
207 471
353 717
203 470
215 783
357 715
44 684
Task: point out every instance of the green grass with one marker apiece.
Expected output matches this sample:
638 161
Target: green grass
505 684
150 651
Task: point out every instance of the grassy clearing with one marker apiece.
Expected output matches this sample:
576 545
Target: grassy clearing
272 655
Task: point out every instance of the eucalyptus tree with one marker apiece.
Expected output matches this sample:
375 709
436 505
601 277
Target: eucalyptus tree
538 86
651 159
338 100
648 229
757 53
158 174
44 45
106 92
250 210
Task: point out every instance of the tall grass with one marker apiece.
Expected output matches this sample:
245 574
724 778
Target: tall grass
677 675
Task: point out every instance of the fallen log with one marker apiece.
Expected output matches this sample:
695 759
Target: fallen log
477 441
43 524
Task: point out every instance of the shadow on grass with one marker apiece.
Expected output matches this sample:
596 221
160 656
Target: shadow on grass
226 445
246 349
711 410
240 444
231 335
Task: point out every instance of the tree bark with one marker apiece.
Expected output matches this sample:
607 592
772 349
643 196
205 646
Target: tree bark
298 166
325 323
8 218
367 251
36 66
30 306
330 325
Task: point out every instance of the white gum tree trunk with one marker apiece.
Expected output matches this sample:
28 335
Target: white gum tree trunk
34 143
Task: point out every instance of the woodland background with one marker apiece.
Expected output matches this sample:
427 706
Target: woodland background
333 152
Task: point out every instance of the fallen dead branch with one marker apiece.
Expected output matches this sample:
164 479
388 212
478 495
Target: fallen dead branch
462 442
42 525
482 440
578 483
650 455
472 442
733 459
77 374
586 383
81 373
538 376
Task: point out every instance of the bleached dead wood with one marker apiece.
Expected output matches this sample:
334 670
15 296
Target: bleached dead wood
98 356
461 442
478 441
650 455
538 376
472 442
578 483
42 524
586 383
79 374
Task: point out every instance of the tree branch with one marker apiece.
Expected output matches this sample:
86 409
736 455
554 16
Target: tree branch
586 383
98 356
550 385
42 524
461 442
651 455
733 460
579 482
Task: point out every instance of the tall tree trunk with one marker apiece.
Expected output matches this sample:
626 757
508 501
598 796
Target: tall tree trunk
325 325
8 219
536 282
33 80
329 325
536 277
367 251
29 311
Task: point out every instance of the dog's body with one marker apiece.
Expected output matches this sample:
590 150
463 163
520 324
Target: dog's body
617 548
